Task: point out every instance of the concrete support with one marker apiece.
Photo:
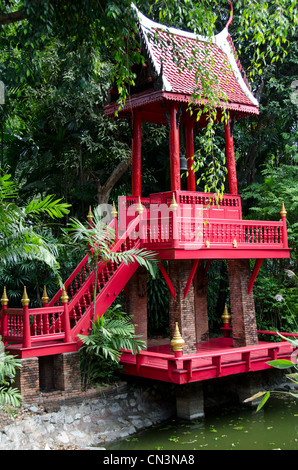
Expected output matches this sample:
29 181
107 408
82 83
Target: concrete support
181 310
190 401
136 302
242 304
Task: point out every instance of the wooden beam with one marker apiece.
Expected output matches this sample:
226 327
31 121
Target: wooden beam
136 154
191 276
254 274
167 279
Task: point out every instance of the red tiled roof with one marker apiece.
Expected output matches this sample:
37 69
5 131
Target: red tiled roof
216 57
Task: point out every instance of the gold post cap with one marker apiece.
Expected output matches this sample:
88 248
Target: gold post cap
25 299
45 297
177 342
90 215
174 206
64 296
114 210
4 298
226 317
140 208
283 212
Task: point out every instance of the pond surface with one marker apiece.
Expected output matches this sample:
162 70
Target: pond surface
275 427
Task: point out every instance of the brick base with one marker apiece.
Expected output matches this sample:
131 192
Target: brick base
242 304
27 378
67 373
58 372
200 282
182 310
136 302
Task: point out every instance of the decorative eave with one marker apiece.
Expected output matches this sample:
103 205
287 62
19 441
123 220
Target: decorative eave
170 86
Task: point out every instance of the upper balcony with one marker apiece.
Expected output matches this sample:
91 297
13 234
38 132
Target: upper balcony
193 225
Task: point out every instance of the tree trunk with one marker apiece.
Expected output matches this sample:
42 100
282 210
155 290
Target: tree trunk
103 191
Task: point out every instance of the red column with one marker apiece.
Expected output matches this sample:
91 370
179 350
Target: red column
26 321
174 150
136 154
190 150
232 173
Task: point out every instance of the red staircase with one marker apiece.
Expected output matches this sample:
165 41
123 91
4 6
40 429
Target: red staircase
53 329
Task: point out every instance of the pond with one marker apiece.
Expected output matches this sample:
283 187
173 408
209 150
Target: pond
275 427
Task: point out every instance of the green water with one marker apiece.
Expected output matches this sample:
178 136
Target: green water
275 427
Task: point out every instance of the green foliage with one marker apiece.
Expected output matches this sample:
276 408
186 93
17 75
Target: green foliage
9 396
157 306
102 349
281 364
22 236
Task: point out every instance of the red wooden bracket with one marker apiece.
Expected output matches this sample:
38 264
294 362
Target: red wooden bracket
207 266
254 274
191 276
167 279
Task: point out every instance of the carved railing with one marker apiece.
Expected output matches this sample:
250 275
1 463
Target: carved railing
56 322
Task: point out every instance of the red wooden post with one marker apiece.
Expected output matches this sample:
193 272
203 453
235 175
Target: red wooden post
4 302
136 154
64 299
26 321
232 173
174 150
284 220
190 150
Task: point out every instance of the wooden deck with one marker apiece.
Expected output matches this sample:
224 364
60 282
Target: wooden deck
213 359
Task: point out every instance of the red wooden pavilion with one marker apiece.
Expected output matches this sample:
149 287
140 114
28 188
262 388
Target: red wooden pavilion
188 229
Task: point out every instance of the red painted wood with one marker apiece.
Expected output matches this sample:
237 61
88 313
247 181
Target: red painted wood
26 327
189 131
232 173
174 148
255 274
167 279
215 358
136 154
191 276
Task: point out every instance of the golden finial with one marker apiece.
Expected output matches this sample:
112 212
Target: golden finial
177 342
45 297
90 215
283 210
140 208
207 243
114 210
235 244
174 206
226 317
4 298
64 296
25 300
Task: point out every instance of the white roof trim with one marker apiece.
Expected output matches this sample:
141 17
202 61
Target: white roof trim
221 40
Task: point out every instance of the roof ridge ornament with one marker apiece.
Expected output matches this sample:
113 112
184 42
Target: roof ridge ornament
231 15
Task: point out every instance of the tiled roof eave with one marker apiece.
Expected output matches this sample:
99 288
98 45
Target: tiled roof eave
145 98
